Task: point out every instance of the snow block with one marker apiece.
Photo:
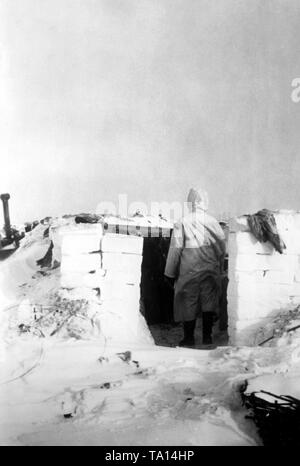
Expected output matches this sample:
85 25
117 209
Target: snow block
81 263
285 221
126 276
254 262
118 328
246 243
81 240
260 289
128 244
119 318
128 306
112 290
255 307
119 262
291 239
263 276
109 284
262 282
292 242
115 327
85 279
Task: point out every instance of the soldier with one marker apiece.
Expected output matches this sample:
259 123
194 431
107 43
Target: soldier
194 265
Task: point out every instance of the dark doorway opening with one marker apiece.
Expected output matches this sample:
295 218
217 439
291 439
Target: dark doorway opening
157 298
156 294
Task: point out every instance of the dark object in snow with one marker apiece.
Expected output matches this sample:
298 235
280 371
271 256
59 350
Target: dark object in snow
110 385
143 372
138 214
8 230
17 236
24 328
273 336
29 226
106 385
46 261
126 356
264 228
278 421
12 235
103 359
98 292
55 265
68 416
46 220
88 218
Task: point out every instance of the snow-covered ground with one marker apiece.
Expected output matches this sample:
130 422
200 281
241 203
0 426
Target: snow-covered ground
62 382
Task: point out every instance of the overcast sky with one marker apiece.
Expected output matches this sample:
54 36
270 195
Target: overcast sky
148 97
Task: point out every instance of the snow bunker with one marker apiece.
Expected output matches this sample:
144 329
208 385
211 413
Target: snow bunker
124 262
262 282
109 266
120 265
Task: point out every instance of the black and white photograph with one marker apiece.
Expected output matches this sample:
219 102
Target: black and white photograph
150 226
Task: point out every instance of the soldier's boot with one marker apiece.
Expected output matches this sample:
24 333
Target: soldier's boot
207 326
189 338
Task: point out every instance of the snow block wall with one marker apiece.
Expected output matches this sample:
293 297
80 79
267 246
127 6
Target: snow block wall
262 282
110 265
